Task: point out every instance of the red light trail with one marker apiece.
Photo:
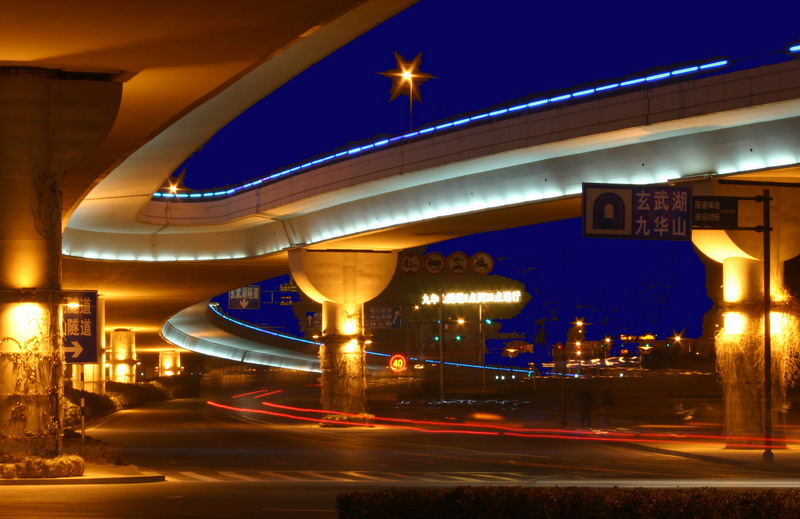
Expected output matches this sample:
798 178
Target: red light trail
472 428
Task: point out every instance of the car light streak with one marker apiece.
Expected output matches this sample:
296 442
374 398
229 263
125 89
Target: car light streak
340 422
473 428
253 393
518 431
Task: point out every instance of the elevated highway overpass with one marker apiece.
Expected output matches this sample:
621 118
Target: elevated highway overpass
515 168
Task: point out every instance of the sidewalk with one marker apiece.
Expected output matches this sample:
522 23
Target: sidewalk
94 475
786 460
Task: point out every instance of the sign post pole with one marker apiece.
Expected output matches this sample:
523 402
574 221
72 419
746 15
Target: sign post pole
441 348
768 455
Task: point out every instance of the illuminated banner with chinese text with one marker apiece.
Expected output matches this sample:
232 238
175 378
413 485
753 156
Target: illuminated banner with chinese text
637 212
81 341
464 298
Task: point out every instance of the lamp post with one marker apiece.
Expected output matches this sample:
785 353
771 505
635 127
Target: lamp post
483 347
441 348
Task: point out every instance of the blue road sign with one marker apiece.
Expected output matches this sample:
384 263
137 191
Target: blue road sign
638 212
245 298
314 320
81 329
383 317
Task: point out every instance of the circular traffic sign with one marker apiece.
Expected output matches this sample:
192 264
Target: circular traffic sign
481 263
457 263
433 263
398 363
410 263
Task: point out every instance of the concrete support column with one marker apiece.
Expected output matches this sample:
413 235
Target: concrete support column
342 281
740 342
48 122
739 346
123 355
342 359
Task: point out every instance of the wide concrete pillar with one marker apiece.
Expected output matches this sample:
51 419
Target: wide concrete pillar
740 341
342 281
49 121
123 355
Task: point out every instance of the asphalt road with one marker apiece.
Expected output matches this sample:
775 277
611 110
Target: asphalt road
237 463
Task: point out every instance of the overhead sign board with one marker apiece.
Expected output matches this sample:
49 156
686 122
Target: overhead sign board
81 327
383 317
637 212
245 298
715 212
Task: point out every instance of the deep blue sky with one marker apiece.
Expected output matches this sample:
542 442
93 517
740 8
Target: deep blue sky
483 53
489 53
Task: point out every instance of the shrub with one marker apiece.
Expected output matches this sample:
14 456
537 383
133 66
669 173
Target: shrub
557 502
36 467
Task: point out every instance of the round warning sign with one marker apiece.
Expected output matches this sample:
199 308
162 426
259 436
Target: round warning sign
398 363
481 263
410 263
457 263
433 263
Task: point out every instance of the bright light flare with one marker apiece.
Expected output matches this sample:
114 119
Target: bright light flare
733 323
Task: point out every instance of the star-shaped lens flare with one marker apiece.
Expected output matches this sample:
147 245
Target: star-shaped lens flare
406 78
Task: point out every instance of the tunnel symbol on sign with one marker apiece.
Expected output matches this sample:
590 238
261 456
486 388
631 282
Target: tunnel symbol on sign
608 212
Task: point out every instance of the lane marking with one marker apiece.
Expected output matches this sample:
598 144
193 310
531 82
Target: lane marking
241 477
197 476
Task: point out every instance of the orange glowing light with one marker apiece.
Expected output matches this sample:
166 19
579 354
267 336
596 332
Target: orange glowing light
406 78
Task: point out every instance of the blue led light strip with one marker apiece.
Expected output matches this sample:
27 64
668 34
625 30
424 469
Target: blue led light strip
217 311
460 122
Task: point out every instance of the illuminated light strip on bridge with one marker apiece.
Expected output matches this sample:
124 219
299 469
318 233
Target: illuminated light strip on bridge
166 194
215 308
461 298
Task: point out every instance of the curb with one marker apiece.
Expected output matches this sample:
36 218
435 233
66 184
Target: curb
88 480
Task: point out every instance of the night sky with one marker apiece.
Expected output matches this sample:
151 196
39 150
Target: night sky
487 54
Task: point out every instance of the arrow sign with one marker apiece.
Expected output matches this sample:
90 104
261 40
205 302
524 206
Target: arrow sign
81 328
76 349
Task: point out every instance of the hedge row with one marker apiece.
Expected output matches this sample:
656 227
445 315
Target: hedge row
36 467
571 502
126 396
